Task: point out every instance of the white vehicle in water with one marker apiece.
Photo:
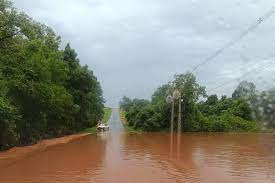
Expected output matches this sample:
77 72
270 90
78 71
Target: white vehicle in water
103 127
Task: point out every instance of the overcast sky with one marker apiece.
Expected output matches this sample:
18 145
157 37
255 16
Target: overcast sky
134 46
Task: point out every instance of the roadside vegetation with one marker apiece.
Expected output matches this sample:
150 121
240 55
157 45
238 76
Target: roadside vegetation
247 110
44 91
106 117
91 130
122 116
127 127
107 114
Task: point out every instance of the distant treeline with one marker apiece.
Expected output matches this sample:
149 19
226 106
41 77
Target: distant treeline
246 111
44 91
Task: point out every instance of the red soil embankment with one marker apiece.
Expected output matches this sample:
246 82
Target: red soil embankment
17 153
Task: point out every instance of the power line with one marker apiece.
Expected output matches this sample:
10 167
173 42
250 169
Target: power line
248 65
245 74
242 35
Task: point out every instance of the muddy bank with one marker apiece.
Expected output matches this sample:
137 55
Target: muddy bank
17 153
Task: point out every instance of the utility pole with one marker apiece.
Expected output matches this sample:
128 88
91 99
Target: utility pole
172 117
179 117
177 96
171 99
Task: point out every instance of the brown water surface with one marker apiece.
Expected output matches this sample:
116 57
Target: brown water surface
152 157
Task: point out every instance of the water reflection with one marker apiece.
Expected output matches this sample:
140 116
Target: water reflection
77 161
152 157
178 145
203 157
171 143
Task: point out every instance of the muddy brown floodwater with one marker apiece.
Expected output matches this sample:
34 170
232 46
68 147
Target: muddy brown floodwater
152 157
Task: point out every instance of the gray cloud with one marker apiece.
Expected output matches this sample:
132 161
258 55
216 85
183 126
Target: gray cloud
134 46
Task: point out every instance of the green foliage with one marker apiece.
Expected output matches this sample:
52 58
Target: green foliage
126 103
44 91
85 88
228 123
106 117
9 115
190 90
238 107
92 130
107 114
130 129
244 90
265 108
213 115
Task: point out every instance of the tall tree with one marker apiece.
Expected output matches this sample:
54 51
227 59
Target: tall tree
44 91
190 91
244 90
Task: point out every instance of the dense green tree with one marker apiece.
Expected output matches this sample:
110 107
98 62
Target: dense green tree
210 106
86 90
161 93
212 100
125 103
156 114
211 115
44 91
191 92
241 108
266 108
9 115
244 90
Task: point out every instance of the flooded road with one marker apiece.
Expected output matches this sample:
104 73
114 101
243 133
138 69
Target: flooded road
153 157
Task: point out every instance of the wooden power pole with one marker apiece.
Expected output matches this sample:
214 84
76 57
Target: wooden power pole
172 117
179 117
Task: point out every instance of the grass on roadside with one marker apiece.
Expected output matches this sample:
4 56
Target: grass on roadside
127 128
92 130
122 116
107 114
106 117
